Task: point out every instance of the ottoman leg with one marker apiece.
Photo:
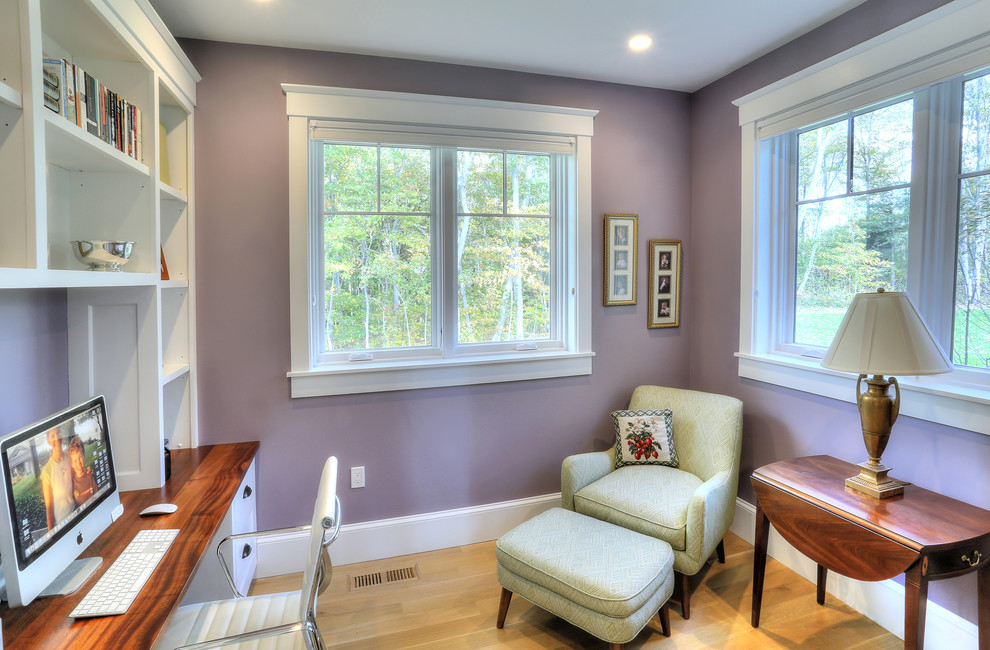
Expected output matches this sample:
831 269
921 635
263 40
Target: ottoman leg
664 614
503 607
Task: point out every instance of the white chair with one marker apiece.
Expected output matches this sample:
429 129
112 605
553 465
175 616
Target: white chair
274 621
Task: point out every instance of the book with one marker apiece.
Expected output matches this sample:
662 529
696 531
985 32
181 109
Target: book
69 91
80 78
138 139
92 105
52 86
103 114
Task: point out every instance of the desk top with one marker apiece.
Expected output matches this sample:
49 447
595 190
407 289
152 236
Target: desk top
203 485
918 519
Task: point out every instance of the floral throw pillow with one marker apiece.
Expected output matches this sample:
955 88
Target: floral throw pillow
644 438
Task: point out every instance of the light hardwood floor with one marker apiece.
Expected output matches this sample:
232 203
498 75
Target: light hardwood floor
452 604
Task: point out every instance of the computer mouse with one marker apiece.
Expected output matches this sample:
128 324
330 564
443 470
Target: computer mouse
159 509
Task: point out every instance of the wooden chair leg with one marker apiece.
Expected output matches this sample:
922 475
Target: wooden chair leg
720 552
664 614
614 646
503 607
685 589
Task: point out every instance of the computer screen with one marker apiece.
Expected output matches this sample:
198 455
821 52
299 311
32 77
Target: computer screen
60 492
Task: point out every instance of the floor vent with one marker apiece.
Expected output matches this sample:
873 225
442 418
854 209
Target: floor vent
377 578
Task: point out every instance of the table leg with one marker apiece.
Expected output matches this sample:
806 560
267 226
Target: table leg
759 561
822 578
915 604
983 605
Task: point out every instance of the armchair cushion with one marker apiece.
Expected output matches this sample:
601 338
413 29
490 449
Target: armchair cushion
652 500
644 438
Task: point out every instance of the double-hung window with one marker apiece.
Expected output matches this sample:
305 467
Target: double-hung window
882 182
430 253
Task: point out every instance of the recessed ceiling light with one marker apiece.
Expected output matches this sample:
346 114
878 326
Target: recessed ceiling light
640 42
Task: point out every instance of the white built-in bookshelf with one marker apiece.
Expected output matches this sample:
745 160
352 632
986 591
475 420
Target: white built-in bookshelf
131 333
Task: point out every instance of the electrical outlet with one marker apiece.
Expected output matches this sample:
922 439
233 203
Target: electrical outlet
357 477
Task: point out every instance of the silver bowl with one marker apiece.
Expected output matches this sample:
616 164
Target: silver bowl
102 254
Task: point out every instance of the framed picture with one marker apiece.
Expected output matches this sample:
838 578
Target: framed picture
665 283
620 259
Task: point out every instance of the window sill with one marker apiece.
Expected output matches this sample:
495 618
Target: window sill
943 399
373 377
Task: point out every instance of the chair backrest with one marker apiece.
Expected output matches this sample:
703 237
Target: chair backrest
707 427
322 533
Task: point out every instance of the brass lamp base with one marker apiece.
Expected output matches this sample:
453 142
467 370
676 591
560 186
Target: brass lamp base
877 412
873 480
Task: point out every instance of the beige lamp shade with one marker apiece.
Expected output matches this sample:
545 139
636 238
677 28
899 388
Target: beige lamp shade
883 334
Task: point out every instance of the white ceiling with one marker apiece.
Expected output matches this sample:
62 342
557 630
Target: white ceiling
694 41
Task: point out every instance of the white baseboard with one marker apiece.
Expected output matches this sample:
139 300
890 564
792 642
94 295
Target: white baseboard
376 540
882 602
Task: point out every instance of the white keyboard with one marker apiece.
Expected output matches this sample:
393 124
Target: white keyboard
116 589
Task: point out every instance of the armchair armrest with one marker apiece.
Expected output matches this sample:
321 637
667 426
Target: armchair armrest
709 516
259 533
580 470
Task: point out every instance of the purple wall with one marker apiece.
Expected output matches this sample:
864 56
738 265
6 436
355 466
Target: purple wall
424 450
782 423
34 347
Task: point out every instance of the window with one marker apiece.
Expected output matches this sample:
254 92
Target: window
429 254
872 169
851 205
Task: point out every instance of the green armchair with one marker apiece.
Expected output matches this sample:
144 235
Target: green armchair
691 506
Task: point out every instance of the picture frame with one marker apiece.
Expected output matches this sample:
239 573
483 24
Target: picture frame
665 283
164 267
621 237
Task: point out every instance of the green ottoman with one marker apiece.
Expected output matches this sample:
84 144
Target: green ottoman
606 580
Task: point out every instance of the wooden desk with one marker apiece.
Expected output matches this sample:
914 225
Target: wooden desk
203 485
922 534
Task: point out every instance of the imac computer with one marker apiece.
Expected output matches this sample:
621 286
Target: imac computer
57 494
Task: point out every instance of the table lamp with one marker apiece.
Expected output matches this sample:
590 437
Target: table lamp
882 334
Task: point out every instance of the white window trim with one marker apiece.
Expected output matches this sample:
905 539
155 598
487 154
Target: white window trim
304 103
948 41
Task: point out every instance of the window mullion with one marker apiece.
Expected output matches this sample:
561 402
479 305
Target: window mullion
850 153
446 241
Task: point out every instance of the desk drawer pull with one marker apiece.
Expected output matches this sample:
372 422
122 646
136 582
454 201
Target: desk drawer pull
246 552
247 492
976 558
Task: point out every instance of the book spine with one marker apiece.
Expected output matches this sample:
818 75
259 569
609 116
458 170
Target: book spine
138 138
52 83
131 144
69 88
92 105
80 78
104 122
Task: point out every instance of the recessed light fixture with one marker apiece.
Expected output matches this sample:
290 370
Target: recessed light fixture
640 42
